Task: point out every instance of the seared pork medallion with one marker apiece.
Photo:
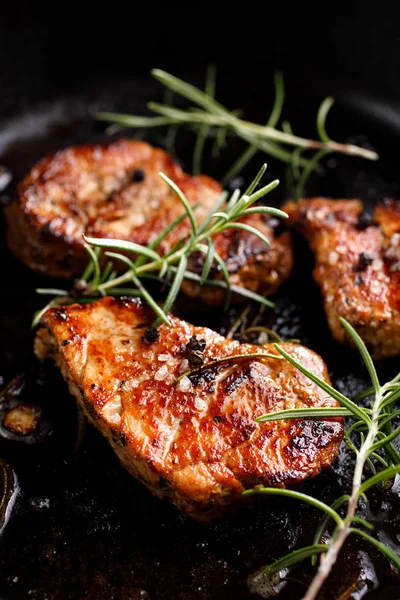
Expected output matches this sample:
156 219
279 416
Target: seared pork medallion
115 191
357 266
191 438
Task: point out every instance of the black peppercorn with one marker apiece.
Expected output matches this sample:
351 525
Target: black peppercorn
196 344
151 335
364 220
196 359
79 286
360 280
137 175
364 260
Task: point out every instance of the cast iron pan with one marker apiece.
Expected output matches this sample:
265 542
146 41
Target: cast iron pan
79 526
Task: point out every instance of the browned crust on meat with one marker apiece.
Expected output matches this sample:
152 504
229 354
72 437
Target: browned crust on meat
201 447
367 295
92 189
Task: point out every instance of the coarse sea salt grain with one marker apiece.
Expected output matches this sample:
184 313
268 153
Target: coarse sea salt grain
130 385
164 357
333 258
377 265
184 366
161 373
395 239
112 410
200 404
375 287
184 384
393 252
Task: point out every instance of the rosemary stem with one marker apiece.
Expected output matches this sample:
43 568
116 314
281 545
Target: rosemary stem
223 118
294 140
146 268
115 282
242 127
328 559
157 264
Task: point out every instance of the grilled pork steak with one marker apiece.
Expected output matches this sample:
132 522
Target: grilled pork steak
357 266
194 442
115 191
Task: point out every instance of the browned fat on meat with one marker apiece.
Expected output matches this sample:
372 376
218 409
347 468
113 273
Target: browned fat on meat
357 266
115 191
194 442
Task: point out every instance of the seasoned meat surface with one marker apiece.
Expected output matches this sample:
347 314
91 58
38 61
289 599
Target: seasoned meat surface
195 441
114 190
357 266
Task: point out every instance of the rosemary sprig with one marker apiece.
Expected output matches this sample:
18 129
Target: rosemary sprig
371 429
210 119
145 262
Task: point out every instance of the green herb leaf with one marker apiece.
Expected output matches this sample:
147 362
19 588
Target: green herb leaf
305 413
208 262
364 353
321 118
161 316
379 477
51 292
265 210
225 275
361 521
131 121
249 229
199 149
385 440
175 287
298 496
122 245
255 196
95 264
184 201
256 180
388 552
294 557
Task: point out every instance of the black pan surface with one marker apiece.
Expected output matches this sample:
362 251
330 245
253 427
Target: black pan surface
80 526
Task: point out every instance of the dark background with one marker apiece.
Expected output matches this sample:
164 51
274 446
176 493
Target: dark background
47 48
